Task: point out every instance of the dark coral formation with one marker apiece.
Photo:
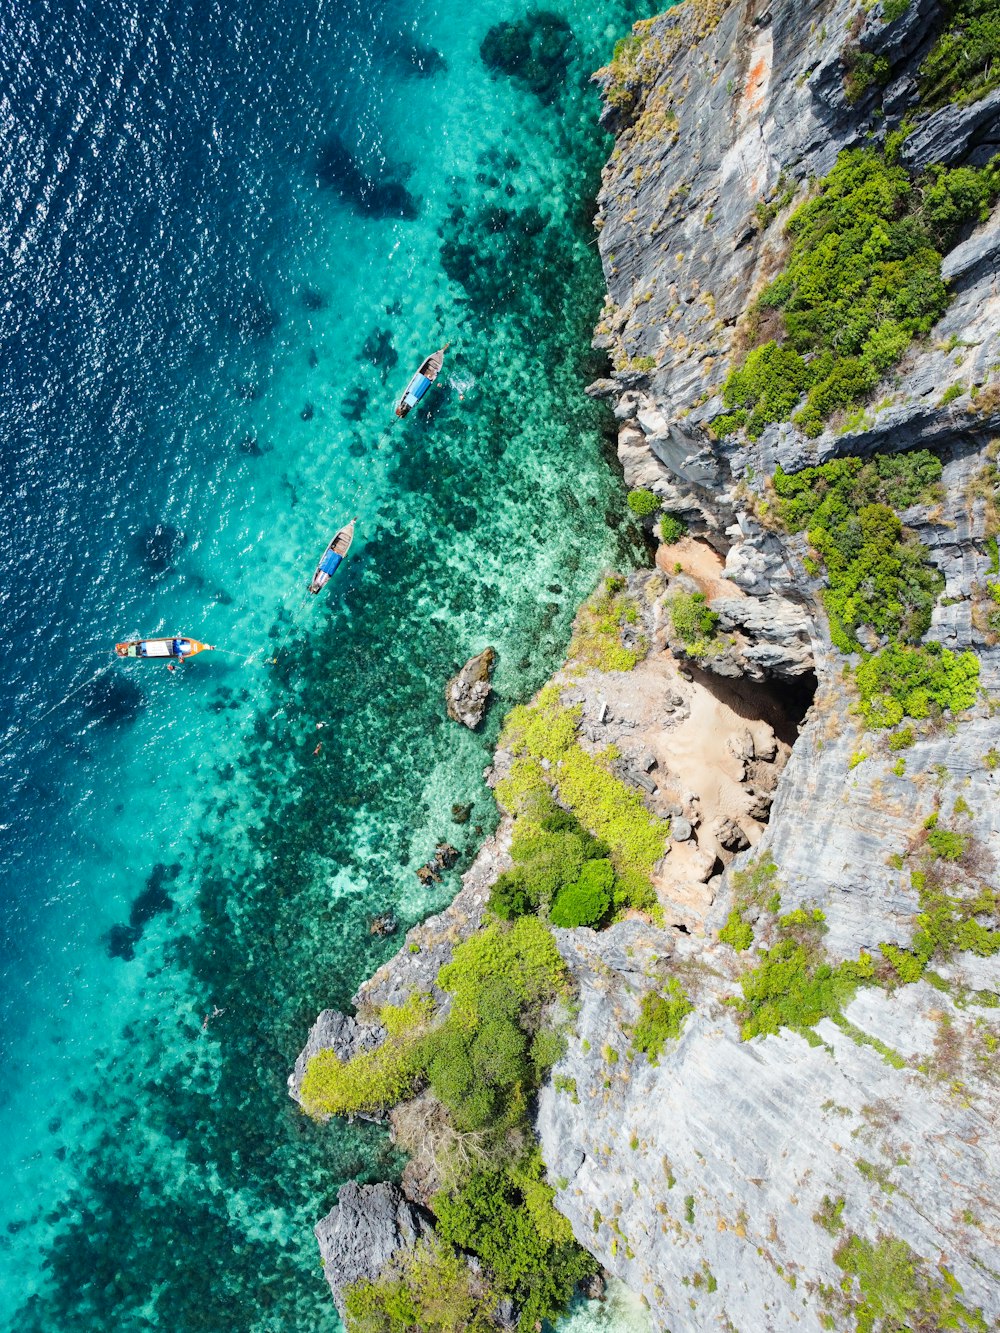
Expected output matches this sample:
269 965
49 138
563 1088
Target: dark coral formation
534 51
337 169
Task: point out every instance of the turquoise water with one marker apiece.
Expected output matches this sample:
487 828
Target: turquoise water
231 238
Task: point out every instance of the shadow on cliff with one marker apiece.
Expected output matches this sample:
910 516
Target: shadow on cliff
782 703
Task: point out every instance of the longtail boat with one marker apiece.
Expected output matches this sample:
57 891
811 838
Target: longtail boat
163 648
422 381
332 556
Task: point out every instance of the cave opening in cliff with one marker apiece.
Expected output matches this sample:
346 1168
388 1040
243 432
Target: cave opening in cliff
783 703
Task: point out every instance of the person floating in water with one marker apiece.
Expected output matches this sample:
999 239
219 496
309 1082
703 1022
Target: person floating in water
216 1013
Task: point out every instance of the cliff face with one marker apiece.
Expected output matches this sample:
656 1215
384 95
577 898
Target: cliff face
724 1181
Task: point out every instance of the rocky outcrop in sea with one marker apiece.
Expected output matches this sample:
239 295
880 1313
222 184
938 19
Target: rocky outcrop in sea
468 692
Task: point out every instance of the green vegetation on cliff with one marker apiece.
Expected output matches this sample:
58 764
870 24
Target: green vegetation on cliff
880 577
793 984
480 1060
597 631
505 1216
483 1063
879 573
863 279
661 1017
429 1287
547 756
964 63
918 682
694 622
887 1286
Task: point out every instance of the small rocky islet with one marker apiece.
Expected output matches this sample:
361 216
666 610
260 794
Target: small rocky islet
743 897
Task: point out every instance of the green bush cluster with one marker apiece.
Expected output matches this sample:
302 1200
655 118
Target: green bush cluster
587 901
661 1017
894 9
964 63
757 883
863 280
506 1217
643 503
863 70
616 815
793 986
373 1079
902 681
888 1286
550 850
766 388
672 529
693 620
828 1216
603 807
543 729
482 1062
878 572
737 933
947 844
947 923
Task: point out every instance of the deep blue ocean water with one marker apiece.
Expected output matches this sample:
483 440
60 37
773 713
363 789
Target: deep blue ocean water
228 235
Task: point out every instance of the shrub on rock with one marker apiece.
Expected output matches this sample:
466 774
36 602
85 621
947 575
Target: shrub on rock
585 902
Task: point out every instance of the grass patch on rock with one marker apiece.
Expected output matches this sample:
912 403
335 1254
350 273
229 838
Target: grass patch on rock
597 631
661 1018
888 1286
964 63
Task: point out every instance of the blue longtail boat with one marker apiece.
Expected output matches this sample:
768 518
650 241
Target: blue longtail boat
333 556
422 381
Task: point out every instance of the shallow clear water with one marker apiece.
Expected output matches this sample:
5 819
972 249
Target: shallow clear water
230 234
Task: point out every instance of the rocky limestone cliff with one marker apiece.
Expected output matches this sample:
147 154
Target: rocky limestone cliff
735 109
368 1227
701 1180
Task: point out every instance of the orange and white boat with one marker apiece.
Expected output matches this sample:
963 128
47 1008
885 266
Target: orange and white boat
176 648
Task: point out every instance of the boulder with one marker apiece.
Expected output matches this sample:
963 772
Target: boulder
468 693
333 1031
729 835
367 1227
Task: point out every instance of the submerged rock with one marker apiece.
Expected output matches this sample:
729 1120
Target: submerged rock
337 170
534 51
159 545
444 858
113 700
384 924
467 693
